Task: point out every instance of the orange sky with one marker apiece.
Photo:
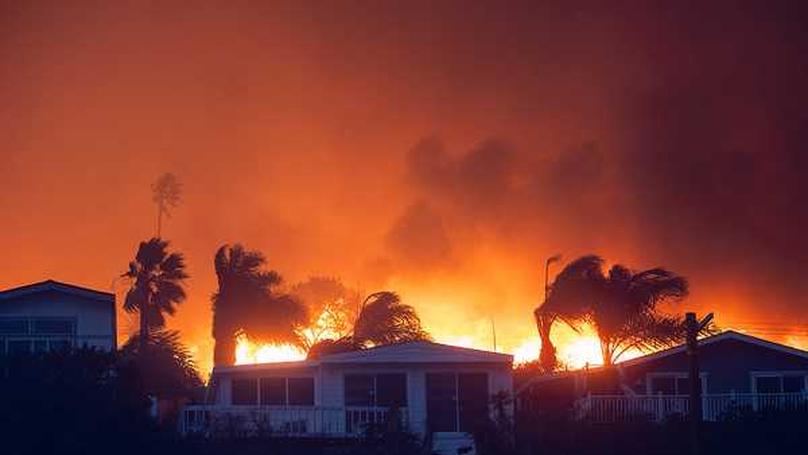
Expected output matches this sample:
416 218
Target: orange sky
292 127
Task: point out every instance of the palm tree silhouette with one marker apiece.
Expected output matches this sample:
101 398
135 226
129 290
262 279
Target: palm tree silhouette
568 300
622 305
383 319
157 284
247 302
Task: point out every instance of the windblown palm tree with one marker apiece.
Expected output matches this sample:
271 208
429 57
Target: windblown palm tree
166 367
246 302
157 284
569 298
383 319
622 306
626 315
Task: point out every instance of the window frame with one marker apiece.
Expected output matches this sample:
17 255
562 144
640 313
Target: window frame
779 374
675 375
374 375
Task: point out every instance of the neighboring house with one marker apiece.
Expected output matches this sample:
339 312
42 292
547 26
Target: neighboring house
50 315
433 388
738 373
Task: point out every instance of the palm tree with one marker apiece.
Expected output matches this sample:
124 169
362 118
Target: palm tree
626 315
246 302
568 300
166 191
383 319
165 366
157 284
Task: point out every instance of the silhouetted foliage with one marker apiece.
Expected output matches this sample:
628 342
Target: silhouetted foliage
621 305
77 402
332 308
246 301
166 195
384 319
165 366
157 284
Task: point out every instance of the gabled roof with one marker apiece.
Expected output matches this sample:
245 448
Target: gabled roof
417 352
723 336
56 286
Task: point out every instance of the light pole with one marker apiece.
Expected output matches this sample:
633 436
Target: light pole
550 260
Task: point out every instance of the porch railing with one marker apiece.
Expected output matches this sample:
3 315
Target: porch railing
623 408
290 421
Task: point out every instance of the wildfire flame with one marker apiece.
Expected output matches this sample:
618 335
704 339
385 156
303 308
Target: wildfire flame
248 352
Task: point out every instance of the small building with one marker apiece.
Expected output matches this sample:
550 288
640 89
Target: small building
738 373
432 388
51 315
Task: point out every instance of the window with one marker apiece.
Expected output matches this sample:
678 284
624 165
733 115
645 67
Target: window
245 391
672 383
13 326
387 389
19 346
54 326
273 391
301 391
779 382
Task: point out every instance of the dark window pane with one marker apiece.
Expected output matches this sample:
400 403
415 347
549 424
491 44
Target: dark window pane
358 390
793 384
301 391
245 391
683 385
13 326
391 389
53 326
19 346
768 384
273 390
665 385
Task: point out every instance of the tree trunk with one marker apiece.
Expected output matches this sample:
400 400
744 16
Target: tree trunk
144 326
224 351
547 354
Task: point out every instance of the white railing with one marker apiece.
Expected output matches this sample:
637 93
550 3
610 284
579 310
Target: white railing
291 421
656 408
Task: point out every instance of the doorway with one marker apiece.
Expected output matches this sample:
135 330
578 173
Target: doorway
456 401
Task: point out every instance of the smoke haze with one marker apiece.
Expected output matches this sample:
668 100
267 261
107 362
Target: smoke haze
439 150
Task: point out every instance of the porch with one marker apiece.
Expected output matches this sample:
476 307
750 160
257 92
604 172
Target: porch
656 408
283 421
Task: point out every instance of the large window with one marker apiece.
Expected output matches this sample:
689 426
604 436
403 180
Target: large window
456 401
245 391
780 382
274 391
672 383
386 389
26 335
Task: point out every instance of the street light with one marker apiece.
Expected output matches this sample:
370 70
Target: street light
550 260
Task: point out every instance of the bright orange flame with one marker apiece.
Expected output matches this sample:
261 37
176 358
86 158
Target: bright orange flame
248 352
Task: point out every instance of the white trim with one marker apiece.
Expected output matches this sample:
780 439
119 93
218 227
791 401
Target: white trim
780 374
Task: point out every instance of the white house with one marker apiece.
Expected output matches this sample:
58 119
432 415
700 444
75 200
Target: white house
435 388
51 315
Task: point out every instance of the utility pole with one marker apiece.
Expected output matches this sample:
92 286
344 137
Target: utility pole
692 328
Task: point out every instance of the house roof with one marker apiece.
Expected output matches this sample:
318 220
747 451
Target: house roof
417 352
712 339
411 352
723 336
56 286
